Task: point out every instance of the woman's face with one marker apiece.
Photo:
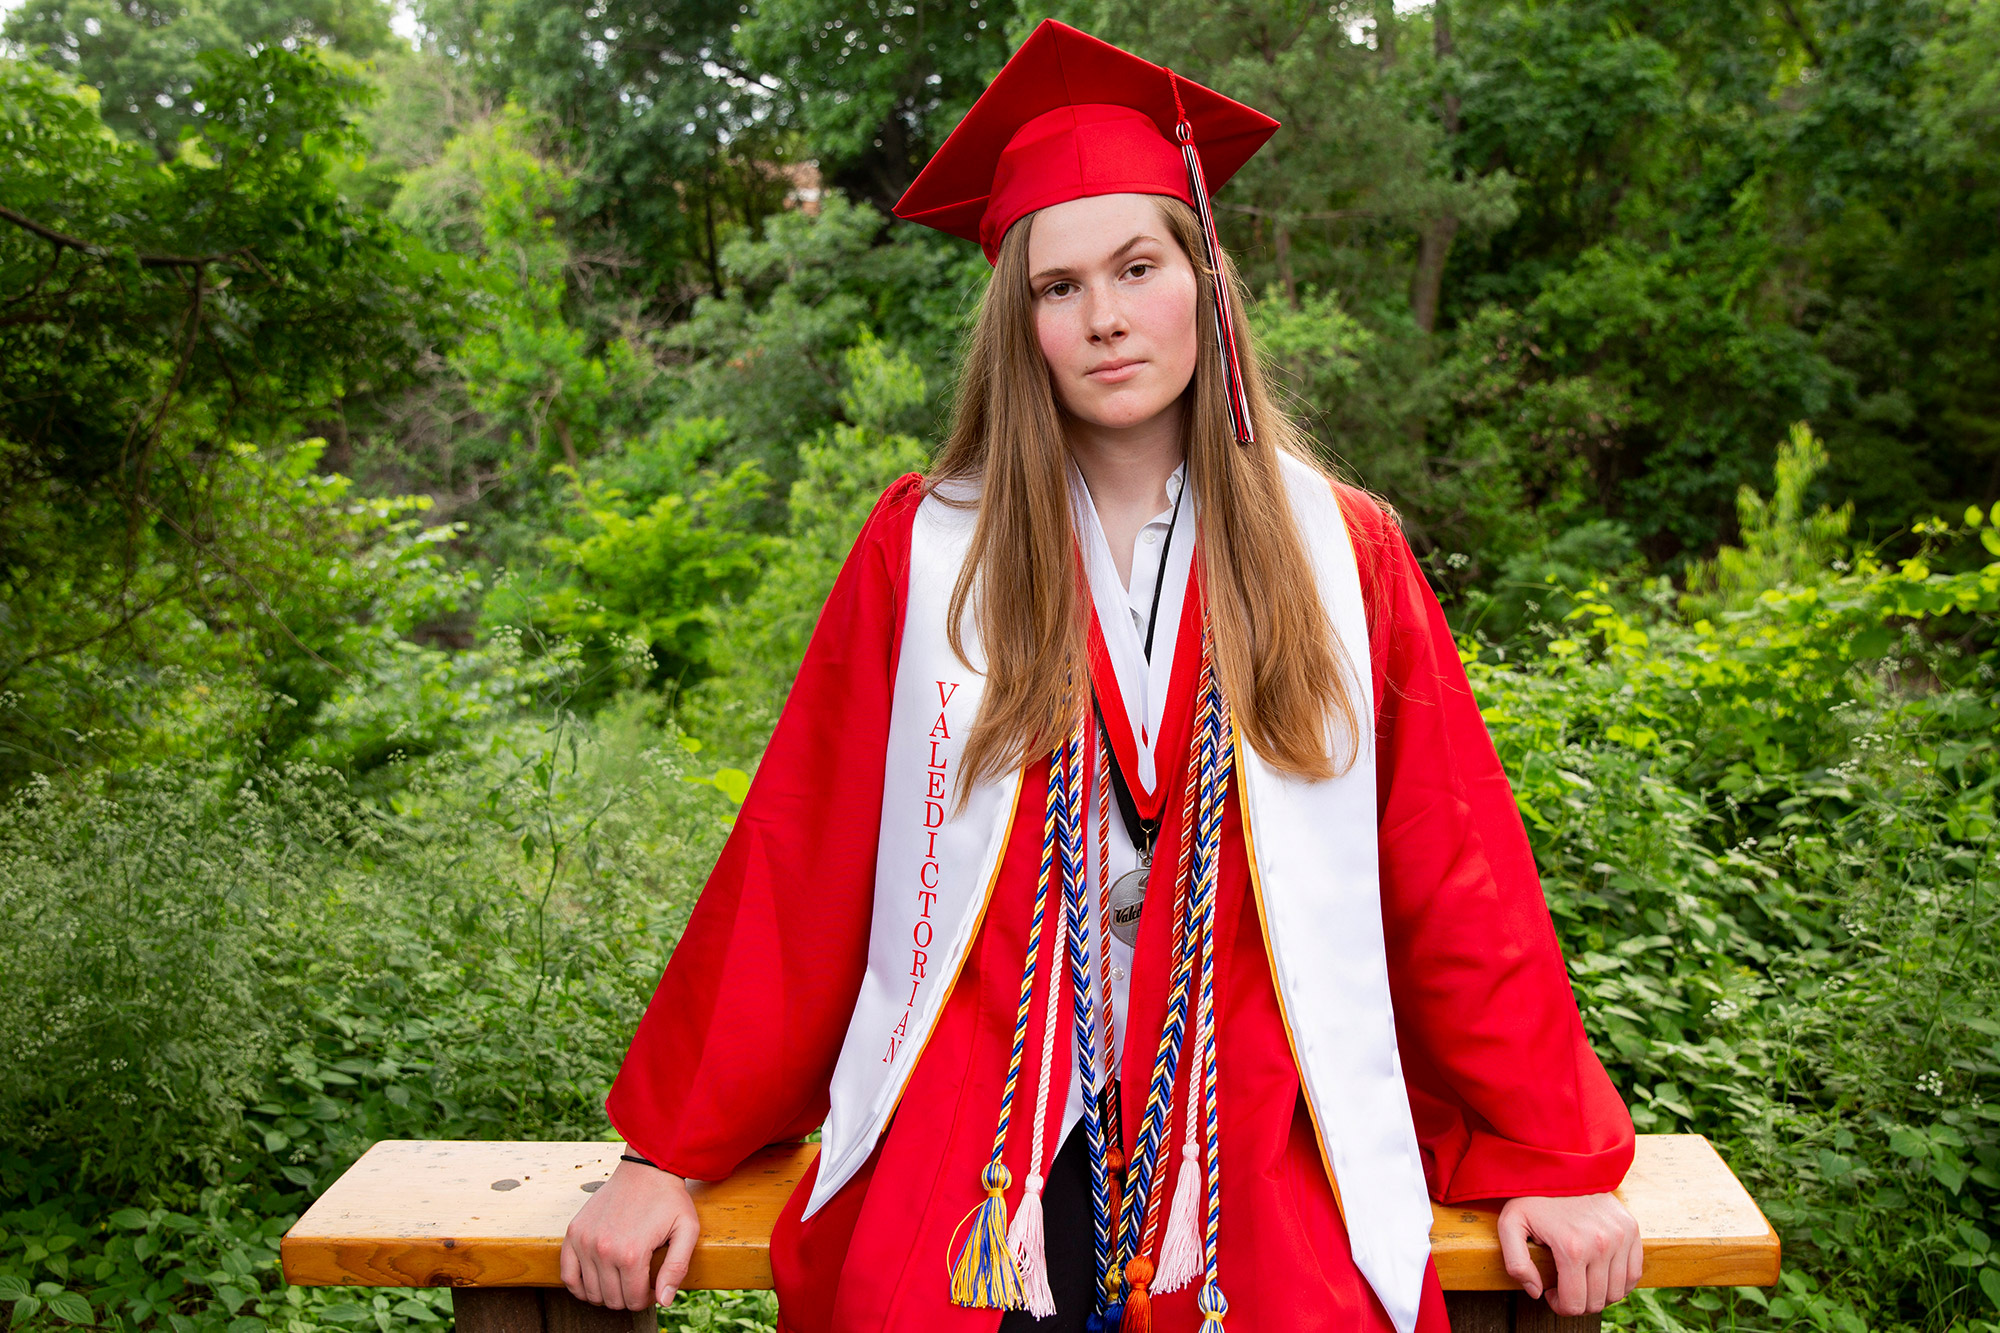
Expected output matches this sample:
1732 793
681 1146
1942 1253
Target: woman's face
1114 300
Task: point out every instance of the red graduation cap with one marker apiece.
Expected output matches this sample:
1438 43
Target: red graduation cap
1070 117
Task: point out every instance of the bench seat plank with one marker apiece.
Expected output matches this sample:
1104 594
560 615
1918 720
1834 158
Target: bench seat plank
1701 1227
416 1213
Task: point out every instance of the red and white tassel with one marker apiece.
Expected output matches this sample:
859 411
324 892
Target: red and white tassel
1225 319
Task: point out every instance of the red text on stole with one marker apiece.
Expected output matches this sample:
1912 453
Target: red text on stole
923 930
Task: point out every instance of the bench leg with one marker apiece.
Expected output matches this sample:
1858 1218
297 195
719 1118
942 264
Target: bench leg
1511 1312
541 1310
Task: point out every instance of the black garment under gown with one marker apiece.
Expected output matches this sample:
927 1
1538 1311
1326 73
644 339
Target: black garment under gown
1068 1233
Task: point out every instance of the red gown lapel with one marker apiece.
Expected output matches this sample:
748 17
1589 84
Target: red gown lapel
1176 723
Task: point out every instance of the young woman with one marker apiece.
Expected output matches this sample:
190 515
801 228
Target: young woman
1130 888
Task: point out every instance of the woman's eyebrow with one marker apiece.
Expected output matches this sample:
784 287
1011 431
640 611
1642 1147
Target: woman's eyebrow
1063 270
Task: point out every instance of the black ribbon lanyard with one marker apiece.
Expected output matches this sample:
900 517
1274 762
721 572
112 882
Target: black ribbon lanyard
1143 832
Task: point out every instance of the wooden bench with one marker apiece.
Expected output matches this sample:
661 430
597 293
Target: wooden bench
488 1219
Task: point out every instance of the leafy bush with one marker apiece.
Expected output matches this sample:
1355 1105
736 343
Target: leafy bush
1768 841
219 998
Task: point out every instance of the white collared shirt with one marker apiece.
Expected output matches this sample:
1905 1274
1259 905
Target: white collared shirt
1121 613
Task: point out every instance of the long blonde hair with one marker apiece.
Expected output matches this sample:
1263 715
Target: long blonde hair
1275 655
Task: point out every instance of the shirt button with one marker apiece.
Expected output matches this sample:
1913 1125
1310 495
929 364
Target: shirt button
1151 537
1118 974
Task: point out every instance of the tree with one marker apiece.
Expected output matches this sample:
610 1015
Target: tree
876 85
163 324
676 145
145 58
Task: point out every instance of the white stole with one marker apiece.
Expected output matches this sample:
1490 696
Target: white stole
1313 868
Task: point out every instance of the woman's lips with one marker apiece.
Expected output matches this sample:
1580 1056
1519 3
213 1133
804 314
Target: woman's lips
1113 372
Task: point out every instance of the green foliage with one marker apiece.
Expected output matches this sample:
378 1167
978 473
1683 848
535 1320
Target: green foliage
676 145
547 389
145 60
223 651
653 575
763 638
183 1067
1782 544
876 85
173 329
1768 842
767 356
347 808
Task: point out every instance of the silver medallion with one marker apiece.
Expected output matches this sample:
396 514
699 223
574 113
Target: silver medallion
1128 895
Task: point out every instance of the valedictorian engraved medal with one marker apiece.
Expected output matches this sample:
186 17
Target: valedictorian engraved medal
1128 896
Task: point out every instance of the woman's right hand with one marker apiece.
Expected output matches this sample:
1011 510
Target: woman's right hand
608 1250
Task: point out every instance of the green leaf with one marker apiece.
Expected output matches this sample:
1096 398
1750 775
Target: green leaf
1989 1282
71 1308
1909 1142
12 1287
346 1312
132 1219
26 1308
1875 641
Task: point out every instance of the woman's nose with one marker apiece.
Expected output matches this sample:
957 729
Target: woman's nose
1105 319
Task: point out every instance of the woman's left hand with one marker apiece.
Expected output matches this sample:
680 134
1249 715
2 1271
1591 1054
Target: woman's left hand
1595 1242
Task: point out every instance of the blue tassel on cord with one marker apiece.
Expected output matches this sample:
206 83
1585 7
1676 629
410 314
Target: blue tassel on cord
984 1276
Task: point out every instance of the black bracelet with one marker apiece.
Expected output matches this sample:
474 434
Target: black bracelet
635 1157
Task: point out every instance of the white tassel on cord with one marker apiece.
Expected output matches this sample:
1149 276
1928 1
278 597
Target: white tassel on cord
1180 1248
1024 1237
1180 1251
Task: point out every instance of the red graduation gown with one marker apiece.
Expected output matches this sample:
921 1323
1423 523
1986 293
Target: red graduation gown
739 1043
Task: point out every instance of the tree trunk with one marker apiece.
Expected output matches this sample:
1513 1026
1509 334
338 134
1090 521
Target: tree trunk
1433 248
1434 238
1282 238
708 226
1385 32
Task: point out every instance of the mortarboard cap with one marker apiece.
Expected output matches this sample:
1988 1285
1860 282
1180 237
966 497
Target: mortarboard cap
1070 117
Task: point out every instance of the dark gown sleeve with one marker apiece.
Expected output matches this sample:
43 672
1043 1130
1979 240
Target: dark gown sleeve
737 1048
1508 1096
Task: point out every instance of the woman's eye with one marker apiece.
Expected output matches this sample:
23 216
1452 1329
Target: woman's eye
1058 289
1139 270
